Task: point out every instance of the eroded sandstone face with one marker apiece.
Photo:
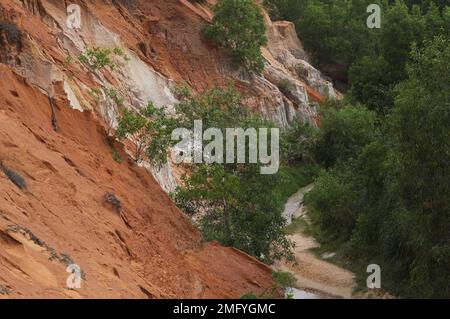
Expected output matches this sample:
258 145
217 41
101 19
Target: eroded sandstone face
150 249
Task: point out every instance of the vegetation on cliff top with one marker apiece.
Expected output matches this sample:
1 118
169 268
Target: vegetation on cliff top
238 27
371 61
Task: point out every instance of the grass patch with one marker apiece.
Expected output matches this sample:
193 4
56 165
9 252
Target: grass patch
298 225
116 156
250 295
295 177
284 279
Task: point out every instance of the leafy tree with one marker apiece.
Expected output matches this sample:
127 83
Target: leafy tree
421 166
391 199
239 206
371 61
238 26
370 82
402 27
297 144
149 129
343 134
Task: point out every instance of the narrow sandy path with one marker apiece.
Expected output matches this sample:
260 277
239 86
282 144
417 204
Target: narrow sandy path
313 274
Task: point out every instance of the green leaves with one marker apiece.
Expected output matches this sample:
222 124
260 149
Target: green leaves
150 129
372 60
100 58
387 193
96 58
343 134
238 206
238 26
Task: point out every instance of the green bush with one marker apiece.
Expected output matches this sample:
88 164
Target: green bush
343 134
388 201
297 144
238 27
333 205
99 58
284 279
150 130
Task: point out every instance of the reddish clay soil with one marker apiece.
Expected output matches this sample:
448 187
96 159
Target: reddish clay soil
148 250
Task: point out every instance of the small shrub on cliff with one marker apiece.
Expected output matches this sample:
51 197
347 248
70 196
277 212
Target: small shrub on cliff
96 58
116 156
149 130
285 86
99 58
238 26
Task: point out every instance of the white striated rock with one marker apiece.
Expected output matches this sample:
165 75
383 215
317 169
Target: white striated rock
74 103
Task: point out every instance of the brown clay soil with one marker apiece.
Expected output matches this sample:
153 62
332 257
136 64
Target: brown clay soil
147 250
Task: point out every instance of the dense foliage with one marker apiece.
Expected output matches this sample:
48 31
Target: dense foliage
372 61
239 206
234 203
149 129
383 195
238 27
387 192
